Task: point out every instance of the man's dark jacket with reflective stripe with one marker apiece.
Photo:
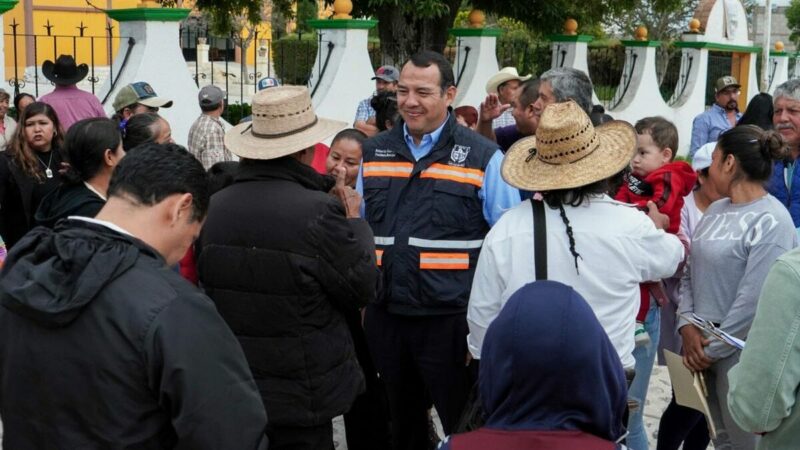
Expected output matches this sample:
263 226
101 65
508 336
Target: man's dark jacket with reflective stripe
427 217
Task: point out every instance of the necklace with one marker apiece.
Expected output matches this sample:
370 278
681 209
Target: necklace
47 172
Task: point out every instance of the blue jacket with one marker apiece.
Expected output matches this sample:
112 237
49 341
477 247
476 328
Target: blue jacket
778 188
427 217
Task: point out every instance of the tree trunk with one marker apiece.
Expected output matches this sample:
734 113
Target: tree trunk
402 35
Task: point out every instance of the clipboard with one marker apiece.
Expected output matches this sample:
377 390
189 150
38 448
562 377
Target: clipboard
711 330
690 388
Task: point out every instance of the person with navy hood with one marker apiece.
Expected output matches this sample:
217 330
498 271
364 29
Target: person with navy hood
549 377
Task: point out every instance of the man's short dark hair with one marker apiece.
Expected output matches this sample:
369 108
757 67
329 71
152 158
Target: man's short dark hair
209 108
661 130
427 58
152 172
528 93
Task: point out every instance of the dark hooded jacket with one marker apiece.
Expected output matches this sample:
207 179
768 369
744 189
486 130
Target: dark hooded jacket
549 376
68 200
104 347
283 264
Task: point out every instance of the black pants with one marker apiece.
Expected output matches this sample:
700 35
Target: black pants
416 355
682 425
367 423
319 437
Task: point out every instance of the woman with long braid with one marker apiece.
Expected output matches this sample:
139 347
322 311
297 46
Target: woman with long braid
600 247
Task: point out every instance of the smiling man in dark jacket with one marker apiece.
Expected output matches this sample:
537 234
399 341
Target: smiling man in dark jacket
103 345
283 259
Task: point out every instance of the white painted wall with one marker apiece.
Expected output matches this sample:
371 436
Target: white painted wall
481 65
347 79
157 59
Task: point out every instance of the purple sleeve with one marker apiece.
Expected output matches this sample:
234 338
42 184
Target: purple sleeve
506 137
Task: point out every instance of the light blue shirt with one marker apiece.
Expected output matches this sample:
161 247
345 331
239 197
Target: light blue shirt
708 126
497 195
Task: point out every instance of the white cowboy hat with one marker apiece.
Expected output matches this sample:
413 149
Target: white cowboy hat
568 152
505 74
283 123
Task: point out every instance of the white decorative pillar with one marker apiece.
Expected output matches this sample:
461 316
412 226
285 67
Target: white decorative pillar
571 50
154 55
476 59
778 67
202 51
342 71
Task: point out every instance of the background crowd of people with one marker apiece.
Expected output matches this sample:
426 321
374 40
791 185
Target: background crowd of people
480 260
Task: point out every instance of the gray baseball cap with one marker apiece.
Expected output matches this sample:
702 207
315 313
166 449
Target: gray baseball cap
210 95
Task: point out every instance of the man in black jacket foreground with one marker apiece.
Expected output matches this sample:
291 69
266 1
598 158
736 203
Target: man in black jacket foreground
282 258
104 345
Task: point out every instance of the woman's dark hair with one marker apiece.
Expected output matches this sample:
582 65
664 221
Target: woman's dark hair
754 149
18 98
85 147
23 156
598 115
759 112
351 134
556 199
140 129
385 106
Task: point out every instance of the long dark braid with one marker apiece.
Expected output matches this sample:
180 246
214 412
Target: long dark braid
575 254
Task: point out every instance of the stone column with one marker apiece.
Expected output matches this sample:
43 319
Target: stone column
154 55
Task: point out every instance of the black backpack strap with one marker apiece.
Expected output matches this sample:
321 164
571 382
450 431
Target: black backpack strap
539 239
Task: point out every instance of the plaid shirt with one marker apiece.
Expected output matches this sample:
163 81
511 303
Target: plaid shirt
504 120
364 111
206 141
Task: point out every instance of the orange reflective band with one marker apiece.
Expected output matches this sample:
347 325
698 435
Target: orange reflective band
387 169
379 256
444 261
453 173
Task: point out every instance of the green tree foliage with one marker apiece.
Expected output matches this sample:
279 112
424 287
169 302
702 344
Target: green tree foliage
548 16
793 21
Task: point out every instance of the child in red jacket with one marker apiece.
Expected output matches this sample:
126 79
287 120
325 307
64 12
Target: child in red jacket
655 177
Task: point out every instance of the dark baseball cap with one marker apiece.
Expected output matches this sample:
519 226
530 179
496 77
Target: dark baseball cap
387 73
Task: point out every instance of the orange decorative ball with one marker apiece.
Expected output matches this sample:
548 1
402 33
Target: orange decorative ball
571 26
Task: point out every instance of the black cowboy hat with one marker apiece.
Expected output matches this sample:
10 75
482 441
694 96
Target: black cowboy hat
64 71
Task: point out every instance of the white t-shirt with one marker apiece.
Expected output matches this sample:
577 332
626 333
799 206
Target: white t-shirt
619 248
690 215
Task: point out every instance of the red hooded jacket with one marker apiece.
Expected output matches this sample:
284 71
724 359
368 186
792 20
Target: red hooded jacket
665 186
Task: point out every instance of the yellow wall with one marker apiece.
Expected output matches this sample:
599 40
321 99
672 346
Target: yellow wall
66 16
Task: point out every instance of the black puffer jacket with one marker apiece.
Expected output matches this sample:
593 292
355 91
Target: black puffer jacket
282 262
104 347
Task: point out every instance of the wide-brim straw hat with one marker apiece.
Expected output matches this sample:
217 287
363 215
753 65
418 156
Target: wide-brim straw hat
568 152
283 123
505 74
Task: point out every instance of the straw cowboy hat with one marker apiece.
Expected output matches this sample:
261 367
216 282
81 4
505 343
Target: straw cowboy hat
505 74
283 123
568 152
64 72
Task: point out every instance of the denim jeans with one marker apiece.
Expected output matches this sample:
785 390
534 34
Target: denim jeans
645 357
